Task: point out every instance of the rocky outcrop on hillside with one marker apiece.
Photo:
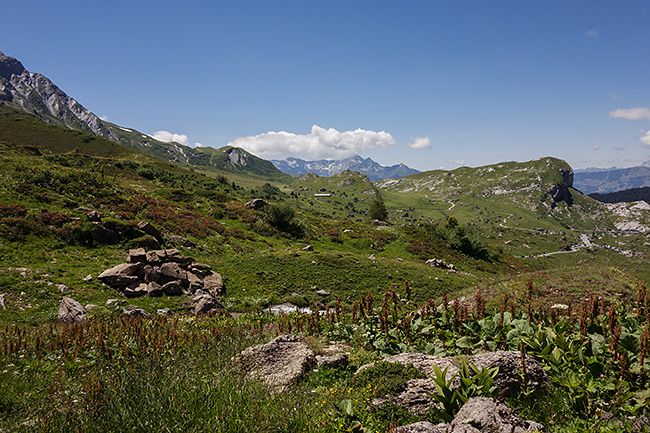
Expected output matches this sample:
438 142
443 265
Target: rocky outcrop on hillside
158 272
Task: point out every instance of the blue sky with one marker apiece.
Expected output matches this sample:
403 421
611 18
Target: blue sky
431 84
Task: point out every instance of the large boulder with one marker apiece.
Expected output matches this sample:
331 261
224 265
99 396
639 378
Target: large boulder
508 379
278 363
481 414
478 415
121 275
71 311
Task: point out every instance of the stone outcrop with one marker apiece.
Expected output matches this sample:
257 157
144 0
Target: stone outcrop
508 380
158 272
278 363
416 396
478 415
257 204
71 311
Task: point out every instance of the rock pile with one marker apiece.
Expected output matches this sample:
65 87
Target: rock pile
159 272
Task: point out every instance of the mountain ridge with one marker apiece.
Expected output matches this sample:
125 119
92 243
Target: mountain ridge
36 94
326 168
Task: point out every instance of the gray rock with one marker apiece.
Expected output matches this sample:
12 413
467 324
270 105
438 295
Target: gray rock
278 363
308 248
2 302
256 204
71 311
179 240
338 360
204 304
149 229
173 288
121 275
441 264
94 216
323 293
137 255
136 291
112 302
163 311
200 267
173 270
154 289
480 414
213 284
62 288
508 380
136 313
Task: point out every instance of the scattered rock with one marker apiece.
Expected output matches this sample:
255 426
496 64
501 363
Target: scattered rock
205 304
378 223
121 275
154 289
278 363
94 216
338 360
88 277
179 240
62 288
173 288
71 311
308 248
163 311
90 306
439 263
257 204
112 302
213 284
149 229
136 313
2 302
322 293
372 257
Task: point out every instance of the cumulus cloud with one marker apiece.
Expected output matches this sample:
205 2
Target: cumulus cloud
197 144
320 143
420 143
168 137
104 118
591 33
456 161
645 138
595 147
637 113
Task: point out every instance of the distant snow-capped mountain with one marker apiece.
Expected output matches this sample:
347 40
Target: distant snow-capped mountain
326 168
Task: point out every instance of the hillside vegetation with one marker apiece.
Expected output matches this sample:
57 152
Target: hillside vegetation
510 240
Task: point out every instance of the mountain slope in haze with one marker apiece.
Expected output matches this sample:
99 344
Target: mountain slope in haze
36 94
614 180
326 168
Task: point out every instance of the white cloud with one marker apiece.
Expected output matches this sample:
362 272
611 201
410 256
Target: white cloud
615 96
591 33
645 138
197 144
595 147
168 137
320 143
631 113
420 143
456 161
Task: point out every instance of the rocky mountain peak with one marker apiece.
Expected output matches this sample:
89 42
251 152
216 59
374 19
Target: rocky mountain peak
9 66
